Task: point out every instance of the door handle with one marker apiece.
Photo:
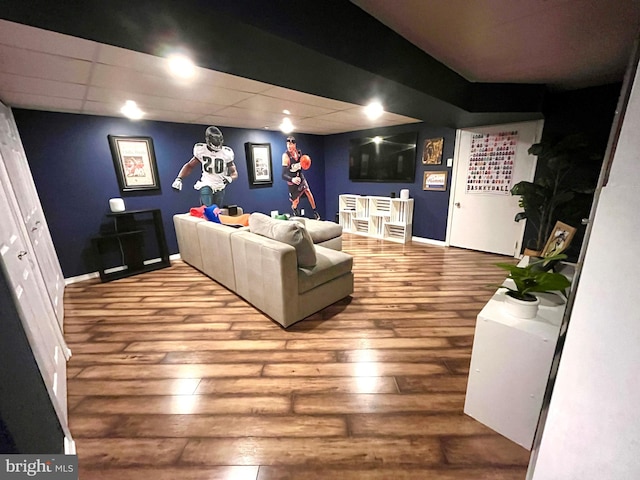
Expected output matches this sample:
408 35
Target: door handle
22 254
457 204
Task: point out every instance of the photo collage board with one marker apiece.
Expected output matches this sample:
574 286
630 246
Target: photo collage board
491 162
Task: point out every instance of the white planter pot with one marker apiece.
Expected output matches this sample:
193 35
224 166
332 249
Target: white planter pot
521 308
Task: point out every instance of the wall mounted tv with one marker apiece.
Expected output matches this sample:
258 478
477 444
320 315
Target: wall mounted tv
385 158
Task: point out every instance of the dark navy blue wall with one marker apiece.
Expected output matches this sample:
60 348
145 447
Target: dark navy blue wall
430 207
74 174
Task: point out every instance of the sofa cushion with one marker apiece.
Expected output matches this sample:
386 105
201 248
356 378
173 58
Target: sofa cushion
291 233
322 230
330 265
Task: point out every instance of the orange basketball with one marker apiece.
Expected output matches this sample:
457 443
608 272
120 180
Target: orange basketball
305 162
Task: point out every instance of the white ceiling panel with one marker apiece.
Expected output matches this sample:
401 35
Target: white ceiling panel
118 97
38 40
41 102
39 86
271 104
225 80
249 114
99 78
301 97
43 65
130 60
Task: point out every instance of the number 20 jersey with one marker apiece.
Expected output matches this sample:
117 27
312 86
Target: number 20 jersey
214 164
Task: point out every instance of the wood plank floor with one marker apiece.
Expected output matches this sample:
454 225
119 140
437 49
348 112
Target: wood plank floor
174 376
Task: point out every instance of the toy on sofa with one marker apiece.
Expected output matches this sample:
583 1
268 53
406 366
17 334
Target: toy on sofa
213 214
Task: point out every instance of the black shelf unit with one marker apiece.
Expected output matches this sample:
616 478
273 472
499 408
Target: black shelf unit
136 244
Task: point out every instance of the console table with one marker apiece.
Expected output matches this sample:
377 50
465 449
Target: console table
132 247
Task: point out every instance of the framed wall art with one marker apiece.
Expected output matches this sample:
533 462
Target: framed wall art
432 152
434 180
135 162
259 167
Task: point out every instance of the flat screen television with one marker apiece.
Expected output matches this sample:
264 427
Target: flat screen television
385 158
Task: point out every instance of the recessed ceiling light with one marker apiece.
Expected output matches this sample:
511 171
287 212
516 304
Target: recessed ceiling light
374 110
131 110
286 126
377 140
286 112
181 66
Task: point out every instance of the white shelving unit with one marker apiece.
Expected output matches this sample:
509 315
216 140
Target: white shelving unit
379 217
510 365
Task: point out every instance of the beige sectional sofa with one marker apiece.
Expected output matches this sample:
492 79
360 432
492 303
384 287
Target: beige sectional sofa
278 270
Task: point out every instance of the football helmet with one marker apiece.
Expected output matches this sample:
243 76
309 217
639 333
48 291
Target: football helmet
214 138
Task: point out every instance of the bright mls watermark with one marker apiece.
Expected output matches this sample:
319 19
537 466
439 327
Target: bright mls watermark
51 467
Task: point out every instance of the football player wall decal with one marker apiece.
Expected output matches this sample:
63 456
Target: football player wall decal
218 168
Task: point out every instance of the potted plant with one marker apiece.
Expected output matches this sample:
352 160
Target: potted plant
566 177
534 277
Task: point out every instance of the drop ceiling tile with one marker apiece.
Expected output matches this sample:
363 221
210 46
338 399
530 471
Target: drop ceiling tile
238 113
38 40
118 97
41 102
106 76
39 86
233 122
277 105
233 82
43 65
111 110
345 117
317 121
301 97
141 62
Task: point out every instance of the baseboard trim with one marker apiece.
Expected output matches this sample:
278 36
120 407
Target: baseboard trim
89 276
81 278
429 241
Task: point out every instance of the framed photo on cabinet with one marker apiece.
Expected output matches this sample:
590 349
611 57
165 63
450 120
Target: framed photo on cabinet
559 240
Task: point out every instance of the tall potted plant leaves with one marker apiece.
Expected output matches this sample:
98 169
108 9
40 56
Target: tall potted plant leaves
566 177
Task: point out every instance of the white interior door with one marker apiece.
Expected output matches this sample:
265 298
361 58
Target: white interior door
36 312
484 221
20 181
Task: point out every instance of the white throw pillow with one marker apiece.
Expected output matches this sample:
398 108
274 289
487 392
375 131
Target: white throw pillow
291 233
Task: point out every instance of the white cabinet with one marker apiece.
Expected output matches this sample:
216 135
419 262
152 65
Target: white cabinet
510 365
31 271
379 217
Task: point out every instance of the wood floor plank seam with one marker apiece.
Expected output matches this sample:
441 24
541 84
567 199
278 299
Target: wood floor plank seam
173 375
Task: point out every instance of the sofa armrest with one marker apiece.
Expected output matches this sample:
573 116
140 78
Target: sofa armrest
187 236
266 274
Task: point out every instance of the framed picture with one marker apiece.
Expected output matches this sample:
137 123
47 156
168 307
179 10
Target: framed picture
559 240
259 167
432 153
135 162
434 180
